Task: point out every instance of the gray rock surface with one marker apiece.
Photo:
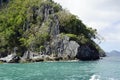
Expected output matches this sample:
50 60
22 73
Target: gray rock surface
60 45
64 47
12 58
87 52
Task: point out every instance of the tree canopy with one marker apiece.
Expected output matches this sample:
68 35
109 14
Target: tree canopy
22 27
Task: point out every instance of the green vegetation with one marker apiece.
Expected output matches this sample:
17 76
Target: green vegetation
22 27
18 24
71 24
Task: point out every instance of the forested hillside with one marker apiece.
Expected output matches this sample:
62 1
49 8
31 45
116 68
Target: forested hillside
42 27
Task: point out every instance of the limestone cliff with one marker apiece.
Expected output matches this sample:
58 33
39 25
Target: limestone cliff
42 30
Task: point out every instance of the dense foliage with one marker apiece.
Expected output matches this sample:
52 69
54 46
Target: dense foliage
21 27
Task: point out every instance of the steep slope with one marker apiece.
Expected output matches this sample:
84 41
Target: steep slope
42 27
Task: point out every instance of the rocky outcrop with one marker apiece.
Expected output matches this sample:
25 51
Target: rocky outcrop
63 47
87 52
59 47
12 58
42 20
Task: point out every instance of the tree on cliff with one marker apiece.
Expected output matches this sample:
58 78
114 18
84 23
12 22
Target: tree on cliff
25 24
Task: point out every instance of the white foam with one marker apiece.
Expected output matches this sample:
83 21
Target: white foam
95 77
112 79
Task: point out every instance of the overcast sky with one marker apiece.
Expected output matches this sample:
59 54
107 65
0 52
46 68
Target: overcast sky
104 15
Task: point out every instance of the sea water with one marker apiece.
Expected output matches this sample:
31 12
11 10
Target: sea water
107 68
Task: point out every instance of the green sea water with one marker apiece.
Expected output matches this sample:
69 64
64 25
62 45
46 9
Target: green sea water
106 69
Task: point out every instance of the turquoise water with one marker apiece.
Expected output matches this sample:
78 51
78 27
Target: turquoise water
106 69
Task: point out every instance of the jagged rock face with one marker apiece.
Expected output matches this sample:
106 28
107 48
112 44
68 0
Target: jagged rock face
63 47
72 49
87 52
60 45
29 55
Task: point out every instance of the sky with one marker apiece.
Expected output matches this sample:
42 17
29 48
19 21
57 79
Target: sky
103 15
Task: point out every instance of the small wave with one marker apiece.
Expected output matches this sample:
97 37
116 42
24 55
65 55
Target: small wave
112 79
95 77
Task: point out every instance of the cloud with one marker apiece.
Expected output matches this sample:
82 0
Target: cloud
112 32
104 15
93 11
